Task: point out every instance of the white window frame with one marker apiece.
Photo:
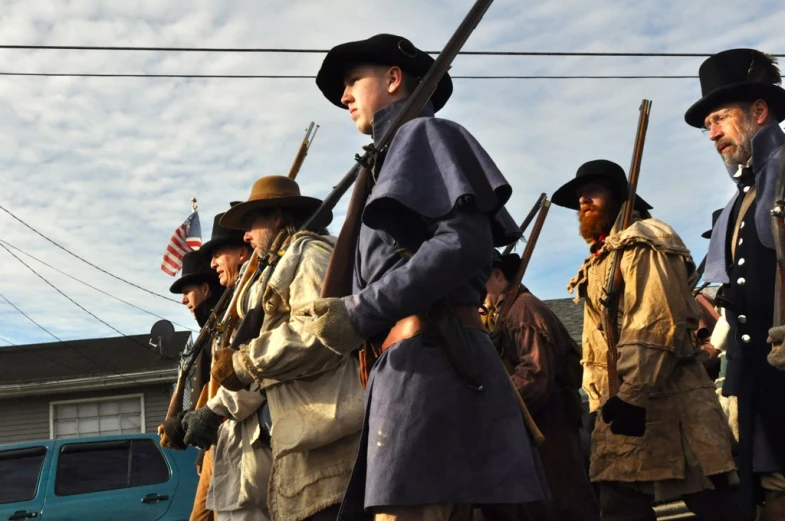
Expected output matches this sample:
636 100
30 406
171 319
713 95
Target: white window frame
142 426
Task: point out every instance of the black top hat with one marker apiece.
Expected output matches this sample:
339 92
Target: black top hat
598 169
737 75
196 270
222 236
382 49
714 216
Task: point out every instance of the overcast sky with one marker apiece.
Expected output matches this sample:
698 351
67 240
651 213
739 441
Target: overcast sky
107 166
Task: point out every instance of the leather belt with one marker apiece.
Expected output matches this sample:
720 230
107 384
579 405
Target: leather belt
411 326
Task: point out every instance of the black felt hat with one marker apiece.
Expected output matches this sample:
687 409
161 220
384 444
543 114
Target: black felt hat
196 270
737 75
507 263
222 236
599 169
382 49
714 216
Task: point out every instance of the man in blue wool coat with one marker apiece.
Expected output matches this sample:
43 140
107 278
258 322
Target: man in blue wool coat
436 441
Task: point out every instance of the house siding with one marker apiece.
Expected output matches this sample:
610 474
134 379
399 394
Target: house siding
27 418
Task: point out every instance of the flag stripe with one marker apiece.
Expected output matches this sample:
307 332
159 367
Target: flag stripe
186 237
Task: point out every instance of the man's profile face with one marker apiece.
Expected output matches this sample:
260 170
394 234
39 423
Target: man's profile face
368 88
194 294
226 262
731 129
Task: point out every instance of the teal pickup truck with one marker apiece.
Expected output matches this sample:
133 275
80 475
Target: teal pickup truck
108 478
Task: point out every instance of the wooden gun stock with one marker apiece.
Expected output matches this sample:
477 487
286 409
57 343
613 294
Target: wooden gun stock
615 282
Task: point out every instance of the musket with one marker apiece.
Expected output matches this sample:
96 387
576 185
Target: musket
615 282
526 222
310 132
515 284
337 282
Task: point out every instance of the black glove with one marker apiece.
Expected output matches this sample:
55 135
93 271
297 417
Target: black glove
201 428
173 428
624 418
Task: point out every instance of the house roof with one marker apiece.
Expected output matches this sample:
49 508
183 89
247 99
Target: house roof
571 315
95 357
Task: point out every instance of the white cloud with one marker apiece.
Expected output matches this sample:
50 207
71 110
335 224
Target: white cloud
108 166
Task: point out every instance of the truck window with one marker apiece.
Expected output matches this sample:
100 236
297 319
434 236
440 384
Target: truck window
19 473
94 467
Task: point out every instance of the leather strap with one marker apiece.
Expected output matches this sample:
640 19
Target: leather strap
411 326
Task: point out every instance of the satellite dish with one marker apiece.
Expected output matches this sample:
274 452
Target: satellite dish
161 333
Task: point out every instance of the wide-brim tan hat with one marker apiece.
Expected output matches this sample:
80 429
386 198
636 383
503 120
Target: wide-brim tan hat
276 191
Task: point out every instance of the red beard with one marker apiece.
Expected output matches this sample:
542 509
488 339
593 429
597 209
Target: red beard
594 224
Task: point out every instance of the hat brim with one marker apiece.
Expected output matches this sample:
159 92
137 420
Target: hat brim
773 95
207 249
300 206
330 78
193 278
567 195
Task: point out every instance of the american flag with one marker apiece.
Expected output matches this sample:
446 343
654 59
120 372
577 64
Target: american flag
187 237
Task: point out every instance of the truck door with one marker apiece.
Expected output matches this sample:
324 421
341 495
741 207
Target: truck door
109 480
22 473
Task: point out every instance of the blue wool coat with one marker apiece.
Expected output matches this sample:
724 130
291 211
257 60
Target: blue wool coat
428 438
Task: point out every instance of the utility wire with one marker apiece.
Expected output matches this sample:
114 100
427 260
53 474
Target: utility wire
8 244
310 77
72 300
284 50
7 341
85 260
70 345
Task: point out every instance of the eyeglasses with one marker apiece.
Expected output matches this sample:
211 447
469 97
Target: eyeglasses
717 119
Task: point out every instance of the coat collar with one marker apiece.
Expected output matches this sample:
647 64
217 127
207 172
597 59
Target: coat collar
383 117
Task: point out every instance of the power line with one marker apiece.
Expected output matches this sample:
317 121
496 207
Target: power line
85 260
285 50
72 300
7 341
310 77
90 285
69 345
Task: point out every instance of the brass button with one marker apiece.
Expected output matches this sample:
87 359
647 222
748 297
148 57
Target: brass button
746 339
741 281
742 261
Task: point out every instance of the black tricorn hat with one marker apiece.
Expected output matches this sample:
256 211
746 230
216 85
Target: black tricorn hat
737 75
714 216
382 49
599 169
196 270
222 236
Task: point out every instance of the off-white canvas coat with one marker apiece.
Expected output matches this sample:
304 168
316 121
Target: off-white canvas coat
685 425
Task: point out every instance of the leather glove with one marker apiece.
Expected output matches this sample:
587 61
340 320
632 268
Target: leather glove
201 428
331 325
222 370
624 418
173 428
777 355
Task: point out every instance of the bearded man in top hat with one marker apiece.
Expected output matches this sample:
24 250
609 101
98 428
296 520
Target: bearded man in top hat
312 412
234 475
442 427
740 109
545 365
663 436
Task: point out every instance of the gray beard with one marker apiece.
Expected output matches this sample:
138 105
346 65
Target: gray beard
744 148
